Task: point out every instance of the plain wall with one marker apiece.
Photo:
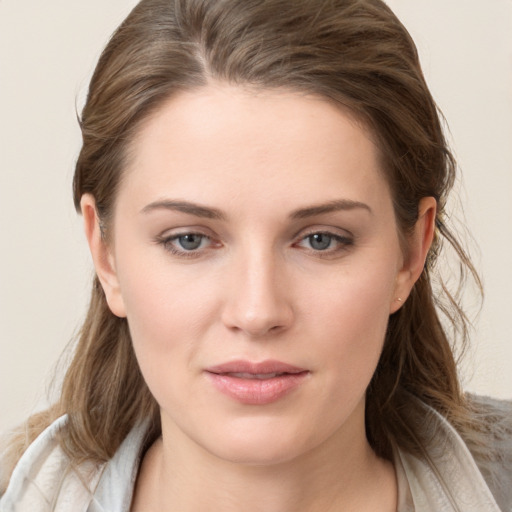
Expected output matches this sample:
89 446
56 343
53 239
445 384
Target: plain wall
47 53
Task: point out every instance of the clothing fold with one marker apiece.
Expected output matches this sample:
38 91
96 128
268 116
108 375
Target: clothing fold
446 479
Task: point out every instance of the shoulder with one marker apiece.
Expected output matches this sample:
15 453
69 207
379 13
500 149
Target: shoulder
468 465
490 443
45 474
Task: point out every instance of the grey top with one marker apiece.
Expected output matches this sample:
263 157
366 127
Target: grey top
448 478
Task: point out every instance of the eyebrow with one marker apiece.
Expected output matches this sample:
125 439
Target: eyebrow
185 207
216 214
330 207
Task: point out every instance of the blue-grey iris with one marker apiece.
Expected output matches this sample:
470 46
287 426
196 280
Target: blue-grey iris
320 241
190 242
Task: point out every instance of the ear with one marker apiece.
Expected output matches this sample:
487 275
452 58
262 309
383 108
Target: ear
102 256
419 243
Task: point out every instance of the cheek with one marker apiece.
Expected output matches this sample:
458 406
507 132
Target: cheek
163 310
162 306
356 298
166 324
352 314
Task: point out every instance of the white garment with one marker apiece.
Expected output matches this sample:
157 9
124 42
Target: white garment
447 479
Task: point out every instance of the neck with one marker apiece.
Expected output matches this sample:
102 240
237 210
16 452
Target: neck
341 474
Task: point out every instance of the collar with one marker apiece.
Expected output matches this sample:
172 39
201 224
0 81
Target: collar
445 479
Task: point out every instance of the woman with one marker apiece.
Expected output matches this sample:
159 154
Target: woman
263 189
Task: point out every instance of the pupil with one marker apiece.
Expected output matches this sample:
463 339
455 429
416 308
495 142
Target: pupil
320 241
190 242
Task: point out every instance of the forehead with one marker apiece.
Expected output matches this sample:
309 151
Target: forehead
273 144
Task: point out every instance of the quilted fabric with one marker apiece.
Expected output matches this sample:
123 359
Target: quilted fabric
448 478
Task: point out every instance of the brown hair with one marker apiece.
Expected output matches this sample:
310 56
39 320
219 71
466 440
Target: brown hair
355 53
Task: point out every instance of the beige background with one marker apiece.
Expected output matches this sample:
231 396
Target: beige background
47 53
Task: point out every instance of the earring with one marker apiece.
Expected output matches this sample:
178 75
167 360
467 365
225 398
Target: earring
399 299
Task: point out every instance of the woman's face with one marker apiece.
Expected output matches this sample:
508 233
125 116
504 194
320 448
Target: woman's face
255 255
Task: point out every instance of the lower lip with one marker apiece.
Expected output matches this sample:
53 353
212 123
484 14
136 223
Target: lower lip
257 391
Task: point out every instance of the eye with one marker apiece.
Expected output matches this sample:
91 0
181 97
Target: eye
190 242
320 241
185 244
325 242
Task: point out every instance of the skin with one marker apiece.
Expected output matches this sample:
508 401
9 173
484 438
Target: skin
258 287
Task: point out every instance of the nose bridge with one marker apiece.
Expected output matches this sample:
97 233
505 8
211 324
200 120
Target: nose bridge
257 302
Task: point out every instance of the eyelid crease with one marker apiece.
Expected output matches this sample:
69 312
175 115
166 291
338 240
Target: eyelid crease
323 229
346 240
174 236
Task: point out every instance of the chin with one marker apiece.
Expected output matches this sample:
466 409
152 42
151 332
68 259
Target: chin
254 454
256 444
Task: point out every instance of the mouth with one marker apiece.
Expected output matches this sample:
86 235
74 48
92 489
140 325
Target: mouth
256 383
257 376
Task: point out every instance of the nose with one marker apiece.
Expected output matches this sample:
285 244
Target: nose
258 298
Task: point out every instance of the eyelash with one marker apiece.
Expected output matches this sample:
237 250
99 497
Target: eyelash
168 245
343 244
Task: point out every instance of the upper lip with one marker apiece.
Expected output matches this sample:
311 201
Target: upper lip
256 368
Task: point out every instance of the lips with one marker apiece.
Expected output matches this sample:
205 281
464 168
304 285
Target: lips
260 376
256 383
